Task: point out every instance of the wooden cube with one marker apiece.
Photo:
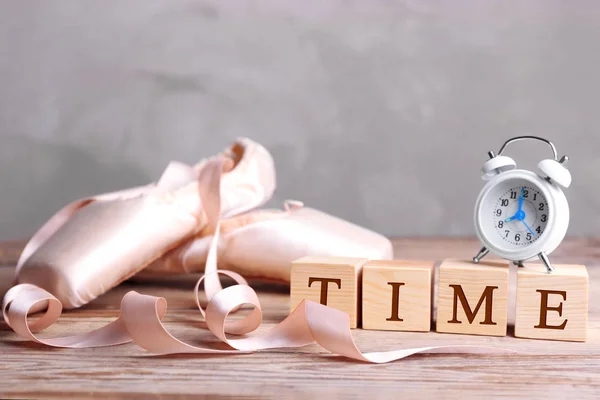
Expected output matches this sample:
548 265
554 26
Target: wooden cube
396 295
552 306
332 281
473 298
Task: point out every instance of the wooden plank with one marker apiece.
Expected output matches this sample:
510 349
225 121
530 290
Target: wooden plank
553 370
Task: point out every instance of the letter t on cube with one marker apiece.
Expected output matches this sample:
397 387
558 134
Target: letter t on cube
331 281
472 298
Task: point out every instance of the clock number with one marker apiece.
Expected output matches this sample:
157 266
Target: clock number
498 212
517 237
534 196
528 235
513 195
539 229
507 232
544 218
541 208
525 193
504 202
500 224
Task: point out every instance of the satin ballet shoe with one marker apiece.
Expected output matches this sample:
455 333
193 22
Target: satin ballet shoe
262 244
248 179
93 244
141 315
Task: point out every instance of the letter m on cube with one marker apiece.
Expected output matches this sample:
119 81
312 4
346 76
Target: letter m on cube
472 298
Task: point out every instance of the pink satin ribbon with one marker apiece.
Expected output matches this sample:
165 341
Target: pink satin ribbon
141 315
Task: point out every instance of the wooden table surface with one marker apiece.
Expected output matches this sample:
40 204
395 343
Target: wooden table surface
545 369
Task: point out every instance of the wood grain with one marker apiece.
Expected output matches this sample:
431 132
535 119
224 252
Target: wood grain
552 306
332 281
396 295
542 369
479 311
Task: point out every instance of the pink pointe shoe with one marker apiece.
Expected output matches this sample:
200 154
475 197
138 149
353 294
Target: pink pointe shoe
93 244
262 244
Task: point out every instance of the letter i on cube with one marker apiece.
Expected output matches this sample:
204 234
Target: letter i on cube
396 295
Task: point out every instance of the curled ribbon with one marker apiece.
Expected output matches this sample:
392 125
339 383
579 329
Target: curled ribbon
141 315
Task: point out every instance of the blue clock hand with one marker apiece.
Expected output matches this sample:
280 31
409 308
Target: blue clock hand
528 228
521 199
516 216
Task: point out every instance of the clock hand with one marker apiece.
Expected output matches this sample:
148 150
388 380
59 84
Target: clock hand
521 199
520 210
528 228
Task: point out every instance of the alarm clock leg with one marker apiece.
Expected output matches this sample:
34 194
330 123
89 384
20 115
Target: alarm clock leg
544 259
482 253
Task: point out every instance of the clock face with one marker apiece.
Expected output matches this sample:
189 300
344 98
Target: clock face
515 214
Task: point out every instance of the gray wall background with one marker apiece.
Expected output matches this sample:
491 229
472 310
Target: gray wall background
380 112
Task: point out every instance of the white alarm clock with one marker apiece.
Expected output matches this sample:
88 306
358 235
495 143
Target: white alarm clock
519 214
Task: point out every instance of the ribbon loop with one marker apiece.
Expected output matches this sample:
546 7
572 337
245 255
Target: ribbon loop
141 315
